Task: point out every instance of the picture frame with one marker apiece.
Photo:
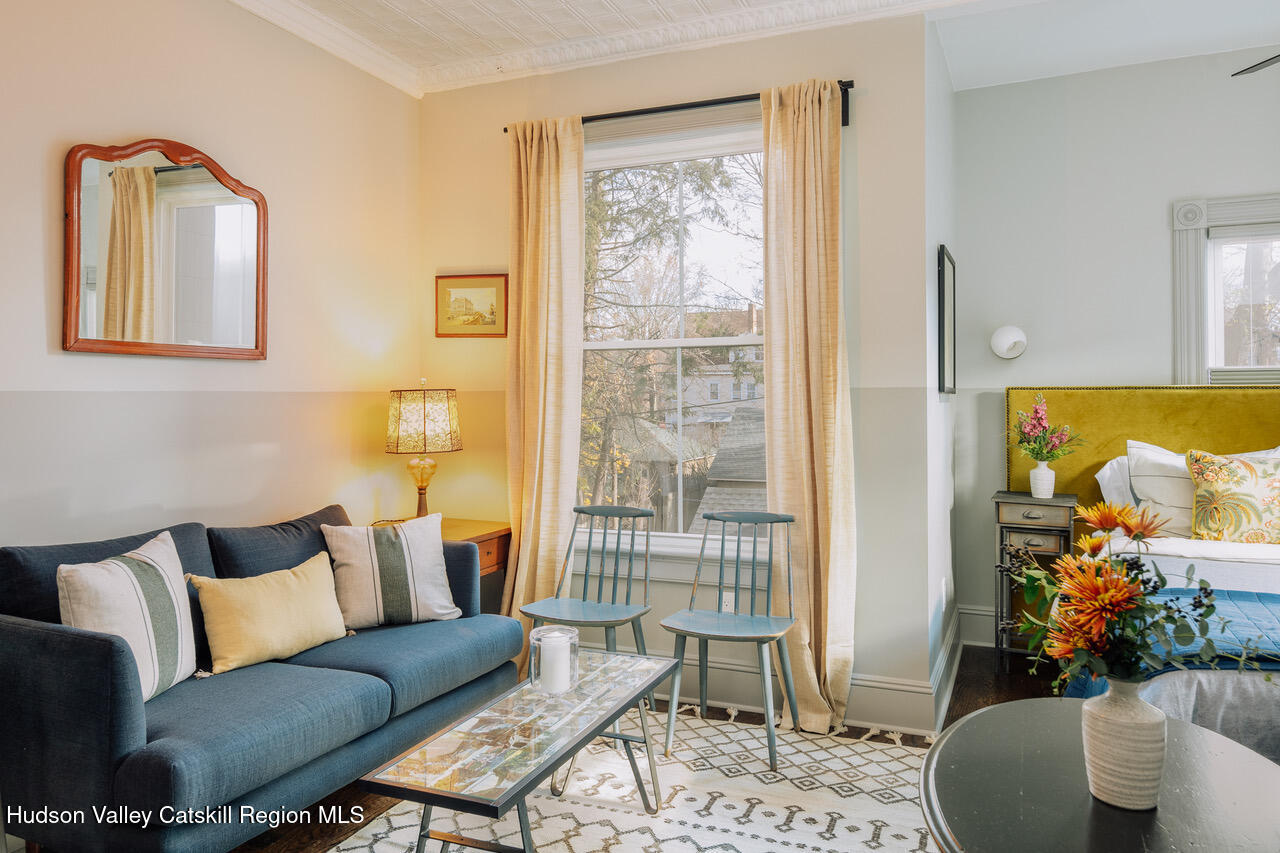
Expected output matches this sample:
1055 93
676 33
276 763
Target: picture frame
946 321
471 306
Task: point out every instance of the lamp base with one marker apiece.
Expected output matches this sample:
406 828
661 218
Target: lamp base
422 469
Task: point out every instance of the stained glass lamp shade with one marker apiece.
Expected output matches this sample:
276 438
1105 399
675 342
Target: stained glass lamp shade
422 421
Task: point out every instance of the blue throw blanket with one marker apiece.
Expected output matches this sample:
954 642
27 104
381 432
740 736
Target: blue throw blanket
1250 616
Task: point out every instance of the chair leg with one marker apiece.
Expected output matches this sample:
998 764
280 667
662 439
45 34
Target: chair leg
788 683
674 703
766 681
611 645
702 676
639 634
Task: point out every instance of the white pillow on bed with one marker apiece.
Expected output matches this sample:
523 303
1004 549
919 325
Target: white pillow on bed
1159 481
1113 480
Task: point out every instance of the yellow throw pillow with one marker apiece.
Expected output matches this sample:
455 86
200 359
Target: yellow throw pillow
276 615
1236 500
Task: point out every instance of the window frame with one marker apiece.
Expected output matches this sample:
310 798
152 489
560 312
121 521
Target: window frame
1192 221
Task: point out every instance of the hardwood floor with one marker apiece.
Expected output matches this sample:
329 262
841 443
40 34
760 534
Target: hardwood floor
978 685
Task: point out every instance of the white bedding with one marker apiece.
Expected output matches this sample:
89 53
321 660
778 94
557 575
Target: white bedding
1226 565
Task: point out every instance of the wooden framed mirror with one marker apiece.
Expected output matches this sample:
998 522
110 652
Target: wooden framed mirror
165 254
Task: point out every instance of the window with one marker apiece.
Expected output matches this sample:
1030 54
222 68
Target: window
673 310
1244 297
1227 290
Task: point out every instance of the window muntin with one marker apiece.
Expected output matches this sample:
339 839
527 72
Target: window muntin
673 312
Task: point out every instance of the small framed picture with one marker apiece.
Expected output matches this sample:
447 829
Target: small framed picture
946 322
471 306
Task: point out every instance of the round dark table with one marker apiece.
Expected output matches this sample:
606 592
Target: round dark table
1011 778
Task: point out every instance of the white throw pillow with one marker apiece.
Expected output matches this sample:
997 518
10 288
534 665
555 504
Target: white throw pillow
142 597
392 574
1160 481
1113 480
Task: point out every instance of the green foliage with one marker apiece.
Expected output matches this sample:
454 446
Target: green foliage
1152 635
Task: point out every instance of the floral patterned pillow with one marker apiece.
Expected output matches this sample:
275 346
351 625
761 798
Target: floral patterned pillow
1236 500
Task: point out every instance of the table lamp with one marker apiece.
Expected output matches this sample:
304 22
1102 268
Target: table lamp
421 421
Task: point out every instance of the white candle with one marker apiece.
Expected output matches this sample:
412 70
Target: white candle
555 663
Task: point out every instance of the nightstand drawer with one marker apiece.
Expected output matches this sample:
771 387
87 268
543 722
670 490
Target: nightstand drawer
1045 543
493 553
1034 515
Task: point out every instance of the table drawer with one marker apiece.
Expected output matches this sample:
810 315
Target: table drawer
493 552
1035 515
1043 543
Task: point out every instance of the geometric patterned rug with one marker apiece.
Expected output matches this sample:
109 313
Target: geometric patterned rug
830 795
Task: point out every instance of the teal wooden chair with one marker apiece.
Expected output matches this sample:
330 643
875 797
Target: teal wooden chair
606 600
750 621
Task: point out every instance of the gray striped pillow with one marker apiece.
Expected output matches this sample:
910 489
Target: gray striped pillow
390 574
142 597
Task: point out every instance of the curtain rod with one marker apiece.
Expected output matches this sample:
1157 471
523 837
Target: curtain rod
845 86
159 169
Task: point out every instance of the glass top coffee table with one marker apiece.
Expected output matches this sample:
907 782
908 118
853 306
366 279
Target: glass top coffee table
489 761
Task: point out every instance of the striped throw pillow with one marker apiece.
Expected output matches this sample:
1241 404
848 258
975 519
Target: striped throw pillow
142 597
390 574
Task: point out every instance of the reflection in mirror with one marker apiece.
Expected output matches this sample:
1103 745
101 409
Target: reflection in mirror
166 255
169 257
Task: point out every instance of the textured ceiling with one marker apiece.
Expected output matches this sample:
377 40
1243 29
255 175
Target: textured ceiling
430 45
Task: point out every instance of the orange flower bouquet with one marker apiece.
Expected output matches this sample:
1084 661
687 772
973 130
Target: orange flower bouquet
1098 611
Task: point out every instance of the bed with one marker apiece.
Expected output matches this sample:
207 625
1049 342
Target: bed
1226 420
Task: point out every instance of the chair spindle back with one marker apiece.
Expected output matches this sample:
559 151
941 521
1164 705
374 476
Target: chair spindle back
754 520
626 524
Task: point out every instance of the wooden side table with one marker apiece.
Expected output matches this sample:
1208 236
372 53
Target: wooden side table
1012 777
1041 526
493 538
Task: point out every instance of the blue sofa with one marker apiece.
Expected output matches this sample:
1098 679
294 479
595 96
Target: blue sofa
77 737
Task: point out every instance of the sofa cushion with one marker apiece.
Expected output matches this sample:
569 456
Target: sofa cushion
209 740
29 575
423 660
244 552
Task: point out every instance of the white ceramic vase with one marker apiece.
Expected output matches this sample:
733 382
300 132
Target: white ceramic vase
1124 740
1042 481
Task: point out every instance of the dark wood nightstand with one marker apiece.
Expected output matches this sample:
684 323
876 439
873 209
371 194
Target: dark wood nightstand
1041 526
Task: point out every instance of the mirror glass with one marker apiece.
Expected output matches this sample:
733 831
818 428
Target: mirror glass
167 255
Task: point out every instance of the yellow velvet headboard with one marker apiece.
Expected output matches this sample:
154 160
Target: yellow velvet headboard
1217 418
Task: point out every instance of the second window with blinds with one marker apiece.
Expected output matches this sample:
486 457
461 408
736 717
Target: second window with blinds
673 320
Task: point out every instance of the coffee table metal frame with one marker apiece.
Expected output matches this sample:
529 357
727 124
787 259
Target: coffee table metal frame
515 795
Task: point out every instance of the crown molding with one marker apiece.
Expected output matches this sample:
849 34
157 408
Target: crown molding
323 32
740 25
737 26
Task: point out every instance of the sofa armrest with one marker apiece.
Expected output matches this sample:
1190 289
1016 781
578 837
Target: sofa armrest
462 566
75 711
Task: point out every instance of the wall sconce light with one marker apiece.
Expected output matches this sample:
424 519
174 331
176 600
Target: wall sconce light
1008 342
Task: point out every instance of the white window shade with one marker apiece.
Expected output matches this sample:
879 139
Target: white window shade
666 137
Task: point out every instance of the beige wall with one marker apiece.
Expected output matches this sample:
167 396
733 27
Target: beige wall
464 152
96 445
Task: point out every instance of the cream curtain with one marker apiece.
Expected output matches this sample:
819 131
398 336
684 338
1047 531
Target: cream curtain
809 419
544 351
129 283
